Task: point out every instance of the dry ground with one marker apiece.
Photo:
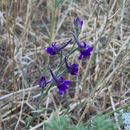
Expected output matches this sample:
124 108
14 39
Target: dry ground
28 26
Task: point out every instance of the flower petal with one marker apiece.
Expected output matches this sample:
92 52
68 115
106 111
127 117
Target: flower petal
62 86
51 51
67 82
73 69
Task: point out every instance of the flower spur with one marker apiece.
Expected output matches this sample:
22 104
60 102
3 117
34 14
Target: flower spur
54 49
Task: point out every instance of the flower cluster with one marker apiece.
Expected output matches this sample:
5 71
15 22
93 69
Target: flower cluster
70 68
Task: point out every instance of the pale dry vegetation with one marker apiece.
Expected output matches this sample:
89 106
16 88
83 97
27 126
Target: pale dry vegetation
103 84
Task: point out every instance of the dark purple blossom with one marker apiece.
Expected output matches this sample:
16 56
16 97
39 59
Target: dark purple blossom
85 52
54 49
72 69
78 22
84 48
43 82
61 83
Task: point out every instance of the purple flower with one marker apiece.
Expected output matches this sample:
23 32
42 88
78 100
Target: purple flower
55 49
52 50
85 52
61 83
85 49
43 82
72 69
78 22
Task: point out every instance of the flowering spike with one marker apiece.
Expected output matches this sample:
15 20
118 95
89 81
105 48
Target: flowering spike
54 49
72 69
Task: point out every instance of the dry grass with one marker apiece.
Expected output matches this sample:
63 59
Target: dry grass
28 26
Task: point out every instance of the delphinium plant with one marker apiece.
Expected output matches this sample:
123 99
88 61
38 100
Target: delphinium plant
65 67
58 77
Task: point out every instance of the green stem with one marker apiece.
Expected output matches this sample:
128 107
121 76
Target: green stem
53 21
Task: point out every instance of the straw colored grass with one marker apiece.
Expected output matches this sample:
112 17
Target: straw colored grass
28 26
